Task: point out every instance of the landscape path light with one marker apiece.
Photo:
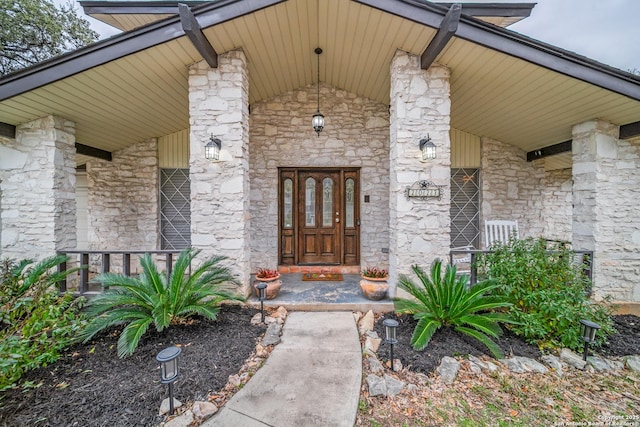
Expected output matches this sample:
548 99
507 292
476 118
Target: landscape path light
390 327
168 359
589 330
262 295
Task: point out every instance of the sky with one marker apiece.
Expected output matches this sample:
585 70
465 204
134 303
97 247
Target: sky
604 30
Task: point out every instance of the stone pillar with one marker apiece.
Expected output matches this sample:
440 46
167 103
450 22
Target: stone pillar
38 206
219 106
606 213
419 230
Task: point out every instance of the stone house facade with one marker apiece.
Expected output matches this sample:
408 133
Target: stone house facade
277 186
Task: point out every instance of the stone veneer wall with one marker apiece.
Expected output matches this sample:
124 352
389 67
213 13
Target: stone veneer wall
512 188
557 202
606 214
37 186
219 106
419 230
122 203
356 134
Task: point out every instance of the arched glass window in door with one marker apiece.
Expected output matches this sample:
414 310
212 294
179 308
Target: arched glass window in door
310 202
350 189
287 214
327 202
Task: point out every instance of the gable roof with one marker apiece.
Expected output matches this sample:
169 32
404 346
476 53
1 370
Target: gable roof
134 85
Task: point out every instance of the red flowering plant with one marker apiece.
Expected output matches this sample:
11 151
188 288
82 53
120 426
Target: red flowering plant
375 272
266 273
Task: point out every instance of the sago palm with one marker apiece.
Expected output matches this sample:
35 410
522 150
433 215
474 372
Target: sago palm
448 301
138 302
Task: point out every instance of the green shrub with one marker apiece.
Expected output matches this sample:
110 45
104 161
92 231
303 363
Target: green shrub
36 322
138 302
547 290
448 301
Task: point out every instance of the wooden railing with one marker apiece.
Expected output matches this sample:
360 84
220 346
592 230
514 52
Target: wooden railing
586 259
96 262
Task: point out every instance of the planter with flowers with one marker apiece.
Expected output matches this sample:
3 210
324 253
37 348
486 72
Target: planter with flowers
374 283
271 278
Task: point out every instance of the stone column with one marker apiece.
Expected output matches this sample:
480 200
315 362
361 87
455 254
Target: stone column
38 207
606 213
419 230
219 106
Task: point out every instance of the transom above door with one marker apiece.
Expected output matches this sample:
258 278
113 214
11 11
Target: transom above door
319 216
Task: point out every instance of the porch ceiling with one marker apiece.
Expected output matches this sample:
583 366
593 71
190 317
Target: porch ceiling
145 94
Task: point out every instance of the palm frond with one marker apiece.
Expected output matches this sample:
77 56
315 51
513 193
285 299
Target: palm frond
423 332
492 346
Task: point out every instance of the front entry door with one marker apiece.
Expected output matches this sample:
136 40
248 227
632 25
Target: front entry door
319 216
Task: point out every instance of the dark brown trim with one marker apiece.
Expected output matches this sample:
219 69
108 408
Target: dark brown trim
85 150
134 7
516 45
198 39
447 29
629 130
7 130
502 10
550 150
124 44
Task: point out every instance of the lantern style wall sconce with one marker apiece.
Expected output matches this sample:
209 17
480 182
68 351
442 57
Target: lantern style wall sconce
212 149
390 327
168 359
262 295
428 148
588 333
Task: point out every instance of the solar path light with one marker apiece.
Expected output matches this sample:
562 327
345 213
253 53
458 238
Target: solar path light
262 295
588 333
390 327
168 359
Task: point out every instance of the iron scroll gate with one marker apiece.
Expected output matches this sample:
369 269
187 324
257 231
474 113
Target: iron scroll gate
585 257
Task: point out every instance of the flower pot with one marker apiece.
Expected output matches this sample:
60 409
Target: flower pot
273 286
374 288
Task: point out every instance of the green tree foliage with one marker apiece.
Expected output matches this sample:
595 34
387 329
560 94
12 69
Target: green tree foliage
547 291
139 302
36 322
32 31
447 301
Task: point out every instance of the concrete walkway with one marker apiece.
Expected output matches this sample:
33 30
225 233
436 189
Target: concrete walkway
312 378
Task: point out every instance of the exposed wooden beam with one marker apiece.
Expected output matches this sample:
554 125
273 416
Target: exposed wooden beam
549 151
629 130
85 150
107 50
7 130
194 32
506 10
448 28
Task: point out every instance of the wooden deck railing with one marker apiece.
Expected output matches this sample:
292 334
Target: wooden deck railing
96 262
585 258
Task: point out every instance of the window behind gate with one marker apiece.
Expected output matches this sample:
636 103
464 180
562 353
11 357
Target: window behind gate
175 209
465 207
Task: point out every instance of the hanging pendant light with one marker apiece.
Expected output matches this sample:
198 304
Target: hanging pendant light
318 119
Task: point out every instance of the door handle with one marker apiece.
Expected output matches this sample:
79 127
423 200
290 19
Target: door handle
358 222
337 219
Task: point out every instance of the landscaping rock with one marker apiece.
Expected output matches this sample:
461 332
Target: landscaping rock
261 351
616 365
375 365
377 385
272 336
183 420
448 369
366 323
475 368
519 365
164 406
554 363
485 366
203 410
393 385
632 363
412 388
356 316
514 365
256 319
599 364
281 313
572 359
234 380
371 345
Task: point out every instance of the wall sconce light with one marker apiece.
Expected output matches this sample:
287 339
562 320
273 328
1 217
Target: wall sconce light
262 295
212 149
428 148
168 359
588 333
390 327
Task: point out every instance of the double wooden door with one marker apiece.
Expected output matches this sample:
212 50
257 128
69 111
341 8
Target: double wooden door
319 216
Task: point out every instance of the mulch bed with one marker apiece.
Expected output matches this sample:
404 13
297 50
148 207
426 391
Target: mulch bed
448 342
91 386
